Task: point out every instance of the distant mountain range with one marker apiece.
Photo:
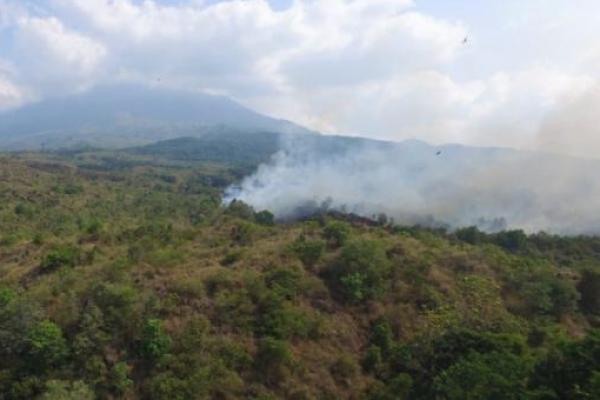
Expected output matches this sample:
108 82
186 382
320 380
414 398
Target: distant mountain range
127 115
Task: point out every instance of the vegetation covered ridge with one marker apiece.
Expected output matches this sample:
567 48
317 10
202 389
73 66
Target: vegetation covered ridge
123 276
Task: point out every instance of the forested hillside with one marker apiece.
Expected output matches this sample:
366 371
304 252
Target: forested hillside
123 276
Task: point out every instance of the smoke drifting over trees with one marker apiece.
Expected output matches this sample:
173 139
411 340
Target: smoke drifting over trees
410 182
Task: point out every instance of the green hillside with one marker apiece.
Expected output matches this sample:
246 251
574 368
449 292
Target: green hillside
122 276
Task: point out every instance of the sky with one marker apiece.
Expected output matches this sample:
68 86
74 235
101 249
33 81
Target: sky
527 77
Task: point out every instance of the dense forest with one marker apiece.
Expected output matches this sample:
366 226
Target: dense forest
124 276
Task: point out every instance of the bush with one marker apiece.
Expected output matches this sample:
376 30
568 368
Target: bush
514 241
373 360
344 369
471 235
273 359
238 208
285 282
155 342
119 380
265 218
589 289
361 271
549 295
483 376
24 210
382 335
231 258
6 296
336 233
243 233
308 251
63 256
63 390
458 343
282 320
46 346
397 388
117 303
570 371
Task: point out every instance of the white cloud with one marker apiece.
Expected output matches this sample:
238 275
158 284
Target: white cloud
49 37
381 68
10 94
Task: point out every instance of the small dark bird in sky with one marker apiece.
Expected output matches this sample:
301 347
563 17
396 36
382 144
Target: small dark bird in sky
465 40
438 153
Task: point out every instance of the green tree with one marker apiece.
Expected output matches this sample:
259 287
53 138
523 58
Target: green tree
119 380
273 359
336 233
63 390
361 271
265 217
571 370
489 376
46 346
68 256
589 289
308 251
155 341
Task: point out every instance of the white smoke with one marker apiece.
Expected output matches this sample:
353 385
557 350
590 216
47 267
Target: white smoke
412 183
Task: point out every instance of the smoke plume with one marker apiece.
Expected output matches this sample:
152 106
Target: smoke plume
415 183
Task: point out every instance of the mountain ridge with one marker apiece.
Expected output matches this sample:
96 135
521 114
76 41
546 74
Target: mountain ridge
126 115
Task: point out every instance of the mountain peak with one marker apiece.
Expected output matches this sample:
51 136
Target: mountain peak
126 114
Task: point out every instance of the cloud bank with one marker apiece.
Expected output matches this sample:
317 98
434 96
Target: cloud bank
391 69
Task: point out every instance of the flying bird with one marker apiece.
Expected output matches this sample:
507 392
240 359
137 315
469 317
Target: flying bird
438 153
465 40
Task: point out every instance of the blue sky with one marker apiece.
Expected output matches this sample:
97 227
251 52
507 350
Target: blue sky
393 69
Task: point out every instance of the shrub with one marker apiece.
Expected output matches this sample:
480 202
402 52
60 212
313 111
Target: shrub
285 282
6 296
155 342
308 251
470 235
589 289
514 241
243 233
119 380
93 227
336 233
273 359
361 271
238 208
17 318
63 390
231 258
24 210
46 346
117 303
265 218
67 256
282 320
549 295
484 376
458 343
344 369
373 360
569 371
382 335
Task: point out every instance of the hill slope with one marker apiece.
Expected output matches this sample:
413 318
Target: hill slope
134 282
